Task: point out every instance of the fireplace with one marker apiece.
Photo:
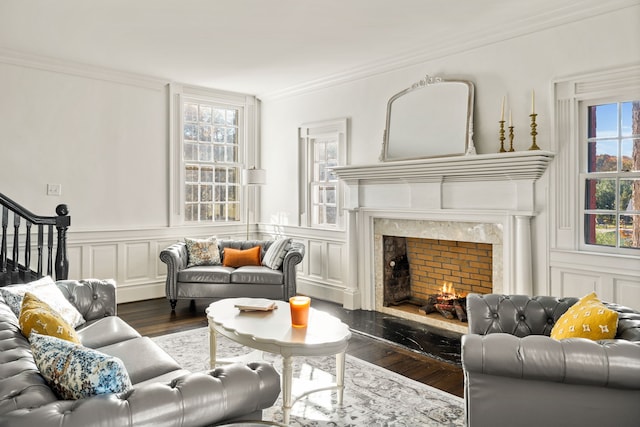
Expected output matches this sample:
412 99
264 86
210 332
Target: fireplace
486 202
416 257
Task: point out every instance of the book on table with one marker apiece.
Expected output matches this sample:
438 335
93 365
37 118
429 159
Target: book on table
255 304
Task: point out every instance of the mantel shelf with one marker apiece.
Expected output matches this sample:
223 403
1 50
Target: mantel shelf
521 165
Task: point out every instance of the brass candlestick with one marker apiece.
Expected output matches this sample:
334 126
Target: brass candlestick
511 150
502 150
534 146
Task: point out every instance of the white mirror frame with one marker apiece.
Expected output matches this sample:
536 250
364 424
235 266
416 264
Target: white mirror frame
438 125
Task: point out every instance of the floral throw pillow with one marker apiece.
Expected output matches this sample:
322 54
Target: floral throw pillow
75 372
46 290
202 251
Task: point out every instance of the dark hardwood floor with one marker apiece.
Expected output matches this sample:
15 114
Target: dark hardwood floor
154 317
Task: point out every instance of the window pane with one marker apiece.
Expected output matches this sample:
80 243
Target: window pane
204 133
627 197
233 212
321 153
630 231
206 193
191 174
600 194
190 152
233 175
206 212
221 175
219 116
232 117
630 151
630 111
232 136
218 151
600 230
190 132
603 156
220 212
191 112
191 193
206 174
205 114
331 195
218 135
332 152
205 153
603 121
331 215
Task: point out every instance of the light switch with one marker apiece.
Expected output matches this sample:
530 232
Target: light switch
54 189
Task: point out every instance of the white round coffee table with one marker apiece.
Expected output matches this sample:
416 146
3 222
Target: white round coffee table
271 331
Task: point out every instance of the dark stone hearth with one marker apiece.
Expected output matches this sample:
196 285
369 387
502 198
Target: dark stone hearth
431 341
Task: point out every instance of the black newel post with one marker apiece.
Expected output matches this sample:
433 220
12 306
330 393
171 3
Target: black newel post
62 223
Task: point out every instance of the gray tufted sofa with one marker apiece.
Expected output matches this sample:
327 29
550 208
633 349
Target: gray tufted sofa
217 281
163 393
515 374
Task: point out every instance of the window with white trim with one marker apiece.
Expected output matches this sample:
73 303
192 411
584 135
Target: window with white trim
325 146
210 143
212 136
610 175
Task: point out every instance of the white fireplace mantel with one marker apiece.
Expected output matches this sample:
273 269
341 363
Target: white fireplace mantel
519 165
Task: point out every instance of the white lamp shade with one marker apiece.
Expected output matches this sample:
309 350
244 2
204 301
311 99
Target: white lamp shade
254 176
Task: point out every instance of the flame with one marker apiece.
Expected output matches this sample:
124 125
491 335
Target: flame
448 291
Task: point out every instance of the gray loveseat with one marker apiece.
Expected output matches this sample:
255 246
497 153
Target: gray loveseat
516 374
217 281
163 393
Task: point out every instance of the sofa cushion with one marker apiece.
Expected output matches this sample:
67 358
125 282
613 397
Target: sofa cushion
75 372
37 316
202 251
206 274
588 318
46 290
257 275
143 358
106 331
239 258
275 254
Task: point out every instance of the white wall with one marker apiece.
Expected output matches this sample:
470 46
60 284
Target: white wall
513 68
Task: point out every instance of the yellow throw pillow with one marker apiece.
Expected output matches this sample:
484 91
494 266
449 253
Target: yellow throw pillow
588 318
38 316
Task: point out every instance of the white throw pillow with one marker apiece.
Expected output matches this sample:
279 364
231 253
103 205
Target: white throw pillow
46 290
275 254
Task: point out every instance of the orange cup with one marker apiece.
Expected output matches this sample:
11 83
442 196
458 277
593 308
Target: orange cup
299 311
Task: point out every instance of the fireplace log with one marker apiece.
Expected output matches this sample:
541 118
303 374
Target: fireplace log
460 306
430 305
447 310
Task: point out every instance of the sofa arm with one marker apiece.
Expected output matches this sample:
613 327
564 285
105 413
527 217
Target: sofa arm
518 315
194 399
606 363
92 297
293 257
176 258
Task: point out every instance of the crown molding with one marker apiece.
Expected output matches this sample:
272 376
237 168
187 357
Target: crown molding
449 45
38 62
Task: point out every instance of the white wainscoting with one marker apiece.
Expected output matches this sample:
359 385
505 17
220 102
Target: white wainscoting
132 257
323 270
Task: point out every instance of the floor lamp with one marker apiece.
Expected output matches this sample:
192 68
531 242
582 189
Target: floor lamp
252 177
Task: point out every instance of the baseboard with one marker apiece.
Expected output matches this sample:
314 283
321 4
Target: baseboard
140 292
320 290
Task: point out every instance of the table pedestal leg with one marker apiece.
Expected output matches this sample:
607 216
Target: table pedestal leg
212 348
287 374
340 359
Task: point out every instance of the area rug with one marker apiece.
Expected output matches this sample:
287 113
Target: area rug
373 396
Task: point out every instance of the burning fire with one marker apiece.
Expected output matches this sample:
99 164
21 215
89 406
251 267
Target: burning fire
449 292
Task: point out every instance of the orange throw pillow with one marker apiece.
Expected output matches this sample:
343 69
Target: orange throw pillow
238 258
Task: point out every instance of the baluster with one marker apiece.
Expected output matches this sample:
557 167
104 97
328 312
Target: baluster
40 242
27 250
3 250
62 224
16 244
50 251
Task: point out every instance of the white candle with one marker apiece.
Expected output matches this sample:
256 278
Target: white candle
533 102
502 109
510 122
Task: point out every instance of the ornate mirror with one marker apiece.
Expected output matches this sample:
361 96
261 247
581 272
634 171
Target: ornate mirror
432 118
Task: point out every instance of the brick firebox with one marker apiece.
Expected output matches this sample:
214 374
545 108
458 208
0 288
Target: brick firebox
466 265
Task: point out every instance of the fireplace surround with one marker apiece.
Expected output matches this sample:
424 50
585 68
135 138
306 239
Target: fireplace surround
486 198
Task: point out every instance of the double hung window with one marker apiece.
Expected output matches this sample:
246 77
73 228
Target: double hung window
611 174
